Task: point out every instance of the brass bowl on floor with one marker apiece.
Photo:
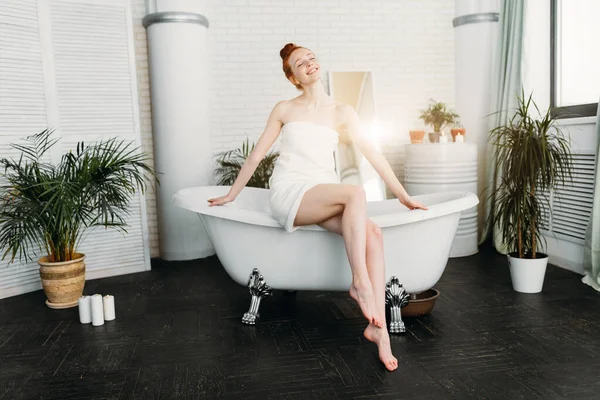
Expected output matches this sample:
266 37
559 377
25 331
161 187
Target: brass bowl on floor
420 304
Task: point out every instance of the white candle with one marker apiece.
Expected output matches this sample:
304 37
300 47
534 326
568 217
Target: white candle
97 310
109 307
443 139
85 309
460 138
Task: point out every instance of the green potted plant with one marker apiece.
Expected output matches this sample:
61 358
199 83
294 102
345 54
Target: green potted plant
532 157
438 116
230 163
47 207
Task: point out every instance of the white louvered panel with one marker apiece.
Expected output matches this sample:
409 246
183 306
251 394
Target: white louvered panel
18 273
17 277
545 218
19 12
7 151
572 202
22 110
93 68
576 213
22 96
574 197
108 248
86 45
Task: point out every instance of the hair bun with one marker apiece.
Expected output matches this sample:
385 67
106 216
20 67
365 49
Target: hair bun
287 49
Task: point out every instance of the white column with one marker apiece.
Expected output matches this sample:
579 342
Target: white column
446 167
476 27
177 50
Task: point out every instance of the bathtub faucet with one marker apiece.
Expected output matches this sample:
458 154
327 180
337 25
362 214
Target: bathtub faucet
396 297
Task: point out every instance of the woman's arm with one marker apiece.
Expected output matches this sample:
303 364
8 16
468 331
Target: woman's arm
375 158
266 140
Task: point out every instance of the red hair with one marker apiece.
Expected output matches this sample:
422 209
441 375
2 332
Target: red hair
285 54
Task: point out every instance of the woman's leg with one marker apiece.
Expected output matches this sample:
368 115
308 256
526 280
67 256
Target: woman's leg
376 269
325 201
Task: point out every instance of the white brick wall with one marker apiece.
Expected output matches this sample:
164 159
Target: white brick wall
408 44
138 11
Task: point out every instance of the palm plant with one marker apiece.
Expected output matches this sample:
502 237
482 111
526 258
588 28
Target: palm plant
230 163
532 157
438 115
47 206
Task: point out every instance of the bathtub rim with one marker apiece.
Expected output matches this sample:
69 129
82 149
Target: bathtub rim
461 201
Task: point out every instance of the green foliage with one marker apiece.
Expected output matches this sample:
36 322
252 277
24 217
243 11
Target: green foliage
230 163
47 206
438 116
532 156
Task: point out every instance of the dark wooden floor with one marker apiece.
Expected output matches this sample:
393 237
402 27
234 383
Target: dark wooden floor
178 335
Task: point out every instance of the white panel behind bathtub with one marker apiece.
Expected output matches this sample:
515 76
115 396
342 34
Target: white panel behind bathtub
69 65
96 98
22 108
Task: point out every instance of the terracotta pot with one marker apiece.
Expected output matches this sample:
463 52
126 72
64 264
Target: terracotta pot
416 136
420 304
63 281
456 131
434 137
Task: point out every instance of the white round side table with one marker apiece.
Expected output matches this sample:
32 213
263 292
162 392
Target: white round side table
444 167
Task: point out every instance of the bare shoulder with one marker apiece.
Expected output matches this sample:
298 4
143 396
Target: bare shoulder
345 113
282 105
346 116
279 110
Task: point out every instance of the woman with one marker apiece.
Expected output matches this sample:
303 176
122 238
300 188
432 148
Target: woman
305 190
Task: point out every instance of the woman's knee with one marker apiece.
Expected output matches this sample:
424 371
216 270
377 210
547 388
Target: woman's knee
357 193
374 233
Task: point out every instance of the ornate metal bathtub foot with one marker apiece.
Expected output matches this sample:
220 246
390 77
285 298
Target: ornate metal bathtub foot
396 297
258 289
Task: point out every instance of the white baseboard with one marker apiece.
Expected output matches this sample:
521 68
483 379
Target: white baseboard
565 254
21 289
566 264
89 275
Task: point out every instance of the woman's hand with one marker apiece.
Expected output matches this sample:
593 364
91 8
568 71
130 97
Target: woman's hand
410 203
219 201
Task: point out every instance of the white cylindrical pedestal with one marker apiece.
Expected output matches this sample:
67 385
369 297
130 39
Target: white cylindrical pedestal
177 48
475 33
434 168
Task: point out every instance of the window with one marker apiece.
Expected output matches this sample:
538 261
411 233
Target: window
575 58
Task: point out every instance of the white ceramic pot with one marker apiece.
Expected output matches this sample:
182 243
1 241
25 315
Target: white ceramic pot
527 274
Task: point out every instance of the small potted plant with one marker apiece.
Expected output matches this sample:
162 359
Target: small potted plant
438 116
416 136
230 163
532 156
49 207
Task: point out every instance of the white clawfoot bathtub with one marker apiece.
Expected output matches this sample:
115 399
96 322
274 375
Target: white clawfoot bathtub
417 243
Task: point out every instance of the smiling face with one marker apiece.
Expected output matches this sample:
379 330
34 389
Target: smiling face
305 67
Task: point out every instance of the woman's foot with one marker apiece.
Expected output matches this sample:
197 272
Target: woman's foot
363 294
380 337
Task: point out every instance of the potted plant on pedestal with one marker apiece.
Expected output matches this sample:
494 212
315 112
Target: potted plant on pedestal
47 207
416 135
532 157
230 163
438 116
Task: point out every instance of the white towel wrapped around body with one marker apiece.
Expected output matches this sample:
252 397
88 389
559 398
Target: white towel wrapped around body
306 158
